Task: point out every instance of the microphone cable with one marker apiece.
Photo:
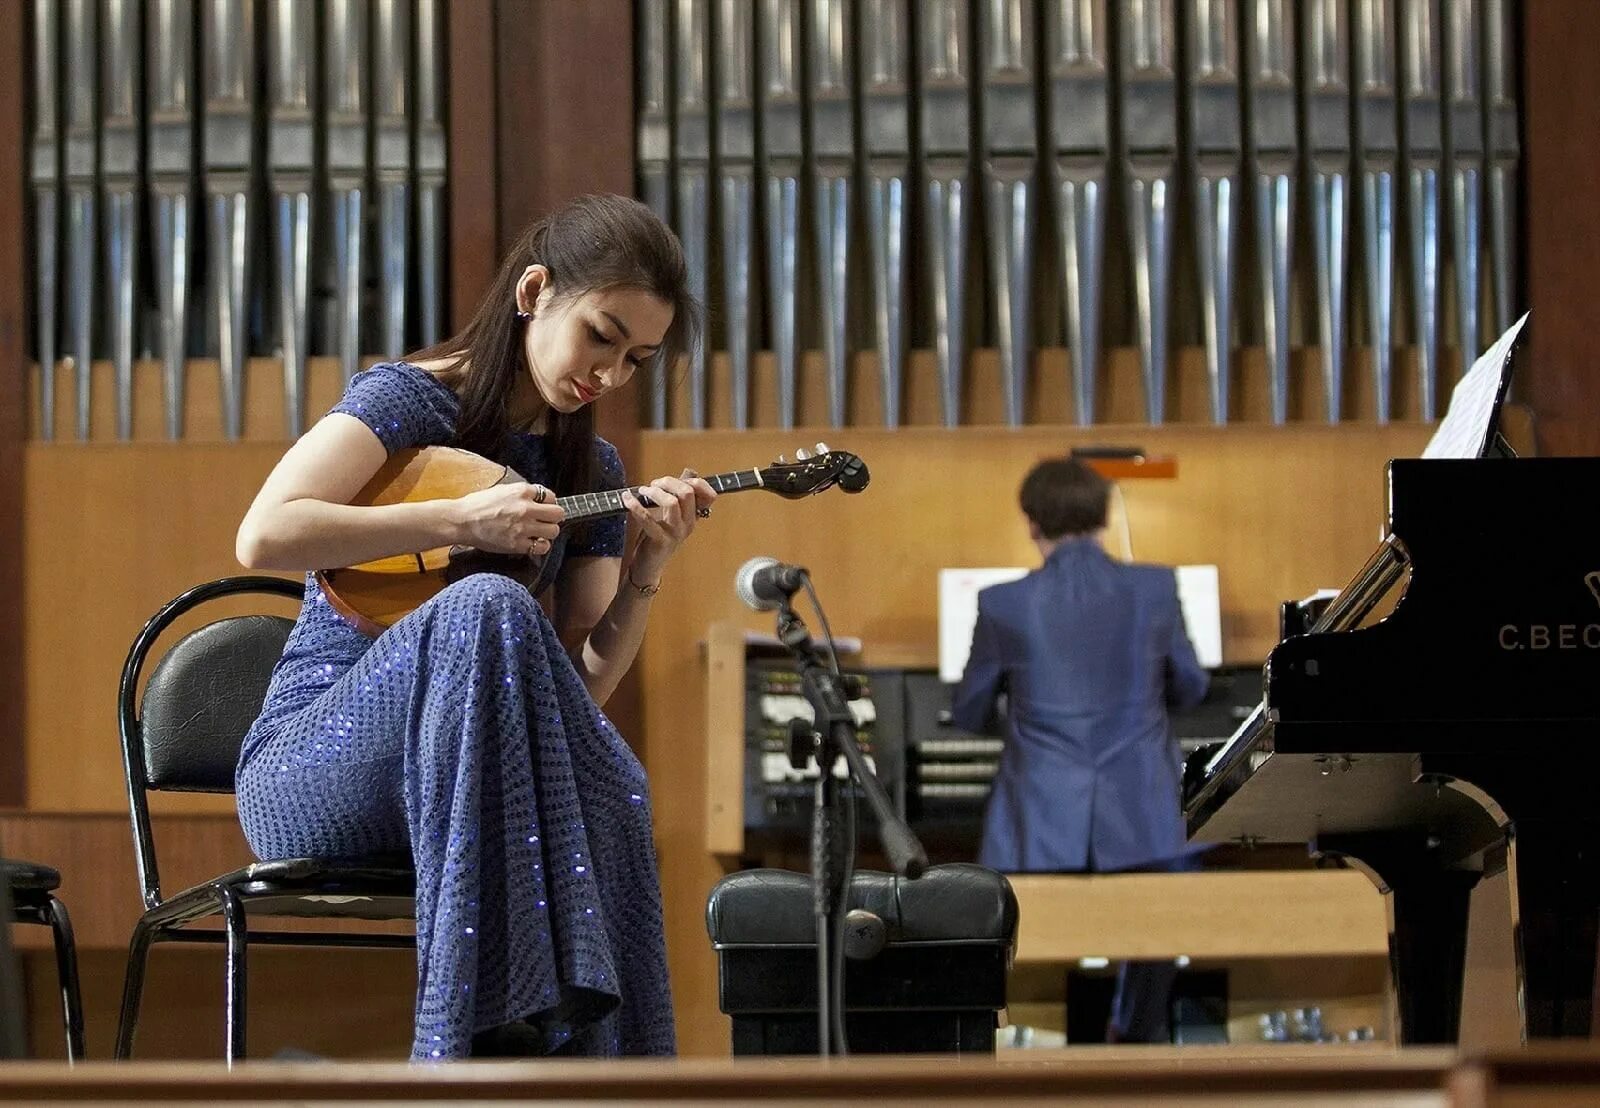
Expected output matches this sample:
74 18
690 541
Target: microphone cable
827 631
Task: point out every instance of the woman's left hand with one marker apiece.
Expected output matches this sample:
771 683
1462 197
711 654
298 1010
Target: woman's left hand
678 502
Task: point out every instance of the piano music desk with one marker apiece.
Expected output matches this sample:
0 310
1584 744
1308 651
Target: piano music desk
1288 939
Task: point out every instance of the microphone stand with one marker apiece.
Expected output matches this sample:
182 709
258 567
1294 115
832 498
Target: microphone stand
834 735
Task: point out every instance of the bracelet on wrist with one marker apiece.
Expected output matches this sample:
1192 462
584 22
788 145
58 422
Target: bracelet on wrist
642 590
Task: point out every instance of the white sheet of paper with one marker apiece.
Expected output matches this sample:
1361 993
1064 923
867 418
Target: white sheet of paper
1461 431
1200 595
958 611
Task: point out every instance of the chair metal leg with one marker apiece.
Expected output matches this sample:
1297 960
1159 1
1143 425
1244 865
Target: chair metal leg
233 920
67 974
133 987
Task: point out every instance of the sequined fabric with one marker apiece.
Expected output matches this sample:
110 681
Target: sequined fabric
464 737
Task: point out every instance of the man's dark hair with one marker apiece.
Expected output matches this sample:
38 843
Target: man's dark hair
1063 496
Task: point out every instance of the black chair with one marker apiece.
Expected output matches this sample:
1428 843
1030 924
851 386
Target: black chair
33 900
11 1032
184 736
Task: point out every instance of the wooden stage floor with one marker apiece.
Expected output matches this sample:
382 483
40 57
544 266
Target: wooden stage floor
1341 1075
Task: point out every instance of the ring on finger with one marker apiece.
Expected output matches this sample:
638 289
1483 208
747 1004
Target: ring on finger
703 513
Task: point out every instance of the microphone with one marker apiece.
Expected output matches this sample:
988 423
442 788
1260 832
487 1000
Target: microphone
766 584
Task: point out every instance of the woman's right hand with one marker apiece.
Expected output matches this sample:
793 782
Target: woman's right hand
515 518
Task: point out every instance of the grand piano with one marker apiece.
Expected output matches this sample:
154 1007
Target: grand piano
1447 735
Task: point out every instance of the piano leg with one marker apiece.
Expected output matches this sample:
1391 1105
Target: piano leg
1555 878
1428 906
1428 949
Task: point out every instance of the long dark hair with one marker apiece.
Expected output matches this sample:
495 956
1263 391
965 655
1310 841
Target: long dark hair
589 244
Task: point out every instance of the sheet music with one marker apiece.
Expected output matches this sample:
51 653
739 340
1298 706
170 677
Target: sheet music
1198 593
1200 596
958 612
1462 432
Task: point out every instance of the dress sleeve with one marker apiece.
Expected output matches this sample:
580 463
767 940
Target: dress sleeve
604 538
402 405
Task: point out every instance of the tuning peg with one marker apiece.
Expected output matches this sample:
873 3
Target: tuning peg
822 448
800 455
782 460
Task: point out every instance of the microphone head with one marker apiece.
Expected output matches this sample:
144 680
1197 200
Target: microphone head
744 583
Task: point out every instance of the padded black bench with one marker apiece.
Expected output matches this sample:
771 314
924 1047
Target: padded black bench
933 978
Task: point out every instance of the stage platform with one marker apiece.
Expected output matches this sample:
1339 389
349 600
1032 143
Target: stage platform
1342 1075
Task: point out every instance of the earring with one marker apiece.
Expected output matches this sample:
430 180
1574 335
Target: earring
523 317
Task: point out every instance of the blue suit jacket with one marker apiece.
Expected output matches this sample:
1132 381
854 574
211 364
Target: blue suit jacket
1092 652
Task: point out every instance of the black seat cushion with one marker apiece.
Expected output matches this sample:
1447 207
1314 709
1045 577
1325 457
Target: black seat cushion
307 888
949 903
340 888
29 877
202 698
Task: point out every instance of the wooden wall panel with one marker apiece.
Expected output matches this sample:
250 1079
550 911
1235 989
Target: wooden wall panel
325 1002
14 392
1561 115
99 885
565 89
373 991
114 531
1281 511
474 180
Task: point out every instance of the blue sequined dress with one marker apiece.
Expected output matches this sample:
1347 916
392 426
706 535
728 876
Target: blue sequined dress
464 737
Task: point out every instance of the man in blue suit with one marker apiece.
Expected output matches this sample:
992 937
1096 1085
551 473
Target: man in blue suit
1091 653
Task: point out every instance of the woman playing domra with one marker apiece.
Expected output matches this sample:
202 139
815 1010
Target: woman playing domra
469 735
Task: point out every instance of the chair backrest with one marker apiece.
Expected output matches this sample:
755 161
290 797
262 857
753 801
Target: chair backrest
184 733
201 699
